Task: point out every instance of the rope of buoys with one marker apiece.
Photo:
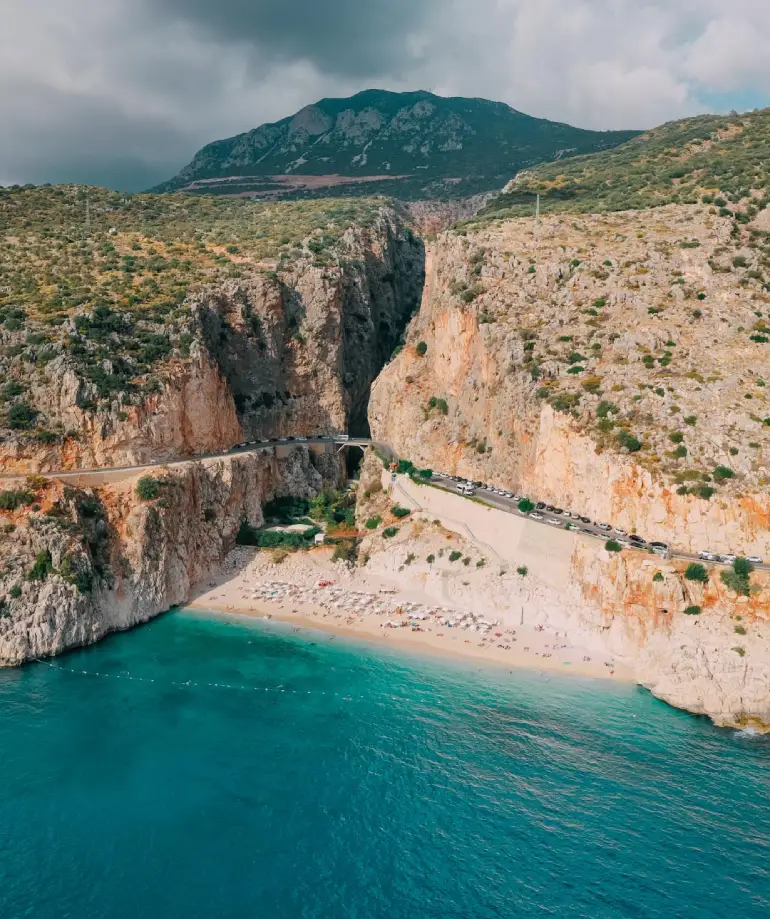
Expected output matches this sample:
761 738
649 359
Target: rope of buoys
195 684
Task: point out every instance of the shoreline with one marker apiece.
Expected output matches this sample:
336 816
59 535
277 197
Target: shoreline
384 614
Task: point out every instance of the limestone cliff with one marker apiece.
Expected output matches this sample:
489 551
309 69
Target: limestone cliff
292 348
91 562
615 366
572 368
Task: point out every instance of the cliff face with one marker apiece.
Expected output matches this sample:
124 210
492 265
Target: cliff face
522 386
92 562
293 350
613 366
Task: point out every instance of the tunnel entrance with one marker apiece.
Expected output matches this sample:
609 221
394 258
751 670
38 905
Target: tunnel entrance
354 458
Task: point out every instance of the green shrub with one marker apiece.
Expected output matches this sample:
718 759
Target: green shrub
612 546
400 512
525 505
692 611
631 443
522 570
404 467
455 555
440 404
723 472
696 572
705 492
21 417
148 488
389 532
13 499
738 577
741 652
739 630
421 348
676 437
430 559
15 591
658 577
42 568
425 473
373 522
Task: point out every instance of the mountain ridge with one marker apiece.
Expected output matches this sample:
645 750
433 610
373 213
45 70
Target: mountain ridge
408 145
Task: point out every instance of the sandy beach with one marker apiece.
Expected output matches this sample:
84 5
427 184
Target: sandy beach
310 591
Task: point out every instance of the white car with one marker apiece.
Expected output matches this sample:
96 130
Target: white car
619 531
729 558
554 523
708 556
604 526
754 559
536 516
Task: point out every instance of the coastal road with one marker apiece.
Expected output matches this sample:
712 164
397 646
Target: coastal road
501 503
115 473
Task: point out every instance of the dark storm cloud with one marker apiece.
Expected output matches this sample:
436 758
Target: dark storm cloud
347 37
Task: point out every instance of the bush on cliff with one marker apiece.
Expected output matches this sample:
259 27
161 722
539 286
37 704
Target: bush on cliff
373 522
612 546
400 512
148 488
696 572
737 577
13 499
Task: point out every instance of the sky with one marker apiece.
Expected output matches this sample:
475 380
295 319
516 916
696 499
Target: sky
123 92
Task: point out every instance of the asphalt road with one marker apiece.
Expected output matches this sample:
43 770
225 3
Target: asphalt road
587 529
487 497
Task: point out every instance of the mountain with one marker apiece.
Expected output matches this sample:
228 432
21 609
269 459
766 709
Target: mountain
724 159
407 145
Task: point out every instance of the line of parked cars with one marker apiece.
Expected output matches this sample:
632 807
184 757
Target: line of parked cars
622 537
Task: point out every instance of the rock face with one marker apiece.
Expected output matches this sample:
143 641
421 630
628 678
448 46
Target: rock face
293 351
571 367
93 562
545 371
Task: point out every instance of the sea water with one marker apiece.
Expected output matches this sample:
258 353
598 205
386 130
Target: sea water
203 767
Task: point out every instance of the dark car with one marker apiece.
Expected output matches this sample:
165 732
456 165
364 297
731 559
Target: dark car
634 538
478 484
659 545
290 438
558 510
549 508
540 505
584 519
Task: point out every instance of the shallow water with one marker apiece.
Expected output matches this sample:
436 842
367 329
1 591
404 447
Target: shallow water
324 778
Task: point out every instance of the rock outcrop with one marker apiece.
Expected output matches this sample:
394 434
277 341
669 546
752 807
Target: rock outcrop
91 562
614 366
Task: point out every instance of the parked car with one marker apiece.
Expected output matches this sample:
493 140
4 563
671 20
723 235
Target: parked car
729 558
604 526
554 523
659 545
535 516
619 531
707 556
584 519
754 559
558 510
540 505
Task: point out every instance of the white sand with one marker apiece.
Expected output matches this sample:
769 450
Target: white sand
357 602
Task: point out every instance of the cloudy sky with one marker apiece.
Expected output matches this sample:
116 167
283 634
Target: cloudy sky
123 92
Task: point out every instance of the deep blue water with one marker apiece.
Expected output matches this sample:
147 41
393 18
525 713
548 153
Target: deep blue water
374 785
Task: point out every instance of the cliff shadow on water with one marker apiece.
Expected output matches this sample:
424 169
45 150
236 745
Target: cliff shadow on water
300 348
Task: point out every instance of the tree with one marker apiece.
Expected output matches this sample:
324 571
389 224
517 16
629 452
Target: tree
692 611
148 488
737 578
612 546
696 572
400 512
525 505
389 532
421 348
373 522
21 416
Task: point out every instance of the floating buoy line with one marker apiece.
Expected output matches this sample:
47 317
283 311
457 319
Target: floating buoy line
125 676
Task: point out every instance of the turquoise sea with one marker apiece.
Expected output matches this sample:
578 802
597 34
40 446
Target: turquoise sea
250 771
